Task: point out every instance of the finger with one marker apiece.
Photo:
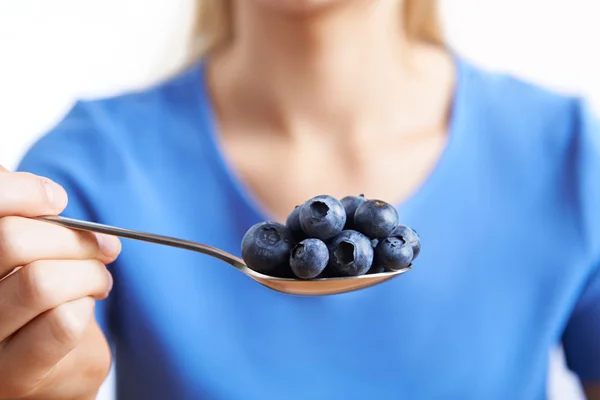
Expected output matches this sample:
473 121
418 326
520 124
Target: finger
2 169
44 285
29 195
29 356
23 241
80 372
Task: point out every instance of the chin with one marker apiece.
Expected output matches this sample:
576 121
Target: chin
300 6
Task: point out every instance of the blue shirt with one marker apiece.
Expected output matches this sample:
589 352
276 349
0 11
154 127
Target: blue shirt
510 225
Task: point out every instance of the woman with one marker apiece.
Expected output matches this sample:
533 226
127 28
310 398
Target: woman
294 99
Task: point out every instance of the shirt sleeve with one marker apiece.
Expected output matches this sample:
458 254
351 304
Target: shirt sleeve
581 339
63 156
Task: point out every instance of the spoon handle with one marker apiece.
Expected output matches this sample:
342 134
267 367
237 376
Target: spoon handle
145 237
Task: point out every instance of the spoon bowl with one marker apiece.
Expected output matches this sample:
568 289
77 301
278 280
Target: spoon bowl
312 287
324 286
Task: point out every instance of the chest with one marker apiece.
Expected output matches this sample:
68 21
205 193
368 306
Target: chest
284 172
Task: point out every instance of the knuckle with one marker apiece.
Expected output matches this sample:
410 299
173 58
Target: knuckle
68 325
11 240
35 288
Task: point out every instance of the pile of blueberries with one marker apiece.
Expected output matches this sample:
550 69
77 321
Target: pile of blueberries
326 237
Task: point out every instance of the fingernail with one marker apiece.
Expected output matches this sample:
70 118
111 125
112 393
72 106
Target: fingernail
55 194
110 246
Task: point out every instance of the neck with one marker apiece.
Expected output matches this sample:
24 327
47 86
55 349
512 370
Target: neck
332 68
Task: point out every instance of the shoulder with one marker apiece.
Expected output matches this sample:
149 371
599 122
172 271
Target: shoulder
150 104
100 135
517 105
105 145
536 124
545 143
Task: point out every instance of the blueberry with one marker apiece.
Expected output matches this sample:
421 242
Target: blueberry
411 236
293 224
376 269
309 258
327 273
350 204
266 248
322 217
376 219
374 242
393 253
350 254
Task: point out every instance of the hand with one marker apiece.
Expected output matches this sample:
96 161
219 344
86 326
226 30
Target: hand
50 344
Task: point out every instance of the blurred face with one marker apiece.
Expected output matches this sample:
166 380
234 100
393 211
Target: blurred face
299 6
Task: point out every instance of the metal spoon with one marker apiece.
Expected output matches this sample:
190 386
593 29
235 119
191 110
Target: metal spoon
314 287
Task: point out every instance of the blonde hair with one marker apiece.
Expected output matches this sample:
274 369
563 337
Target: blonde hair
213 22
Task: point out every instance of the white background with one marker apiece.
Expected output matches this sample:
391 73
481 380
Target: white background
52 51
